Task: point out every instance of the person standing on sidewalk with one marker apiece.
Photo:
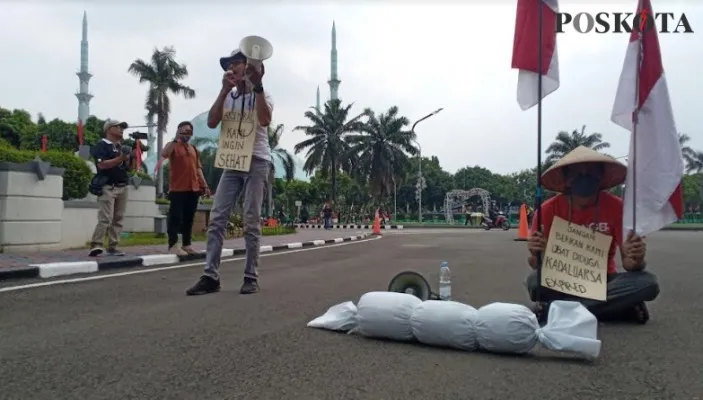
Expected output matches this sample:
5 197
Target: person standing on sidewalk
327 214
112 162
236 94
186 184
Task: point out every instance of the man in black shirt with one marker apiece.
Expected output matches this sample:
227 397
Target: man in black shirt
112 161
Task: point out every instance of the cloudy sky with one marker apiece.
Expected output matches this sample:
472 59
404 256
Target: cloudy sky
418 55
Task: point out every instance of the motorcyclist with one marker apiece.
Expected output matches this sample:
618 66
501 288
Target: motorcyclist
492 213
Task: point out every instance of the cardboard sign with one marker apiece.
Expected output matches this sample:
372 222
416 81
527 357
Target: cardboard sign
237 137
576 260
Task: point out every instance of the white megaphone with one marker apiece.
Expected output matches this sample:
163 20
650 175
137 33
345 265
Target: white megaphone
256 49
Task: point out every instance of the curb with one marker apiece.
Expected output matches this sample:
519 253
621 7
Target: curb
316 226
51 270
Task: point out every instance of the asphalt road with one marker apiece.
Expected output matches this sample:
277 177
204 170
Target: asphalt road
140 337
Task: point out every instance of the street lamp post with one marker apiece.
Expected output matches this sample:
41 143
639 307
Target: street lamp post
420 180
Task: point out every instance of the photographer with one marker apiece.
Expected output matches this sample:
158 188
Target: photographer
113 161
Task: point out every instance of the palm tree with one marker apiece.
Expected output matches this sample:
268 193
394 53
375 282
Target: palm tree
692 158
566 142
381 149
284 156
694 162
208 148
685 149
326 148
163 74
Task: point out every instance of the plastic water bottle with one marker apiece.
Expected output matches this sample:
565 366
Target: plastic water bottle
445 281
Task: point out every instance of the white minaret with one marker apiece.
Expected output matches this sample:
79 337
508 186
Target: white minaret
84 76
317 103
334 78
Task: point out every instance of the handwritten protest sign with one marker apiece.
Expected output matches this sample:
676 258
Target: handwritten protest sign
576 260
237 136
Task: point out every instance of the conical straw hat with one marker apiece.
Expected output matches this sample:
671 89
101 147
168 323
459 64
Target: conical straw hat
614 173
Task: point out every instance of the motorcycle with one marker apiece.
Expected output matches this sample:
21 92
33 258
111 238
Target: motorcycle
501 221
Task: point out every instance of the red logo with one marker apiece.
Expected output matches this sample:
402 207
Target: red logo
644 14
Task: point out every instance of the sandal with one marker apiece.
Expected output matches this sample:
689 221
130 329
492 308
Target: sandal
640 313
189 250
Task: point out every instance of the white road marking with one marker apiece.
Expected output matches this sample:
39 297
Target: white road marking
172 267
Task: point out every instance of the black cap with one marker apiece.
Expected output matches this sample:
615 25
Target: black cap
226 62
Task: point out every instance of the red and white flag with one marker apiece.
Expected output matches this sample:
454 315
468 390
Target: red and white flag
659 167
525 50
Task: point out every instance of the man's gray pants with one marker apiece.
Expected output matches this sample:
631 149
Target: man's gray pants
232 185
624 291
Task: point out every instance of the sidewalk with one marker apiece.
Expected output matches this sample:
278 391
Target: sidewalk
77 261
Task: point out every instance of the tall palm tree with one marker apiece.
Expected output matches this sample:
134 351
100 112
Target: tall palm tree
566 142
694 162
208 148
326 148
381 149
685 148
164 75
284 156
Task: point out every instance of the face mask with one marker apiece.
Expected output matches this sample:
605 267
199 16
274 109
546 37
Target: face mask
585 185
185 138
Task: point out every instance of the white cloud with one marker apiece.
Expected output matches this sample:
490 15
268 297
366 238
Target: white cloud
419 57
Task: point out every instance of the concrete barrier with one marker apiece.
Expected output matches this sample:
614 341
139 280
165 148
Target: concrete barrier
31 208
78 222
141 207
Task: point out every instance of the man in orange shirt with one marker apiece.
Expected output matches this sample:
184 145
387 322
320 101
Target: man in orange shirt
186 184
582 178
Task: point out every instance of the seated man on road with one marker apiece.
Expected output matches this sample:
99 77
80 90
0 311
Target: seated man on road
582 177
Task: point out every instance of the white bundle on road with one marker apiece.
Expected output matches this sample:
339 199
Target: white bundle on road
341 317
386 315
570 328
506 328
513 328
445 324
496 327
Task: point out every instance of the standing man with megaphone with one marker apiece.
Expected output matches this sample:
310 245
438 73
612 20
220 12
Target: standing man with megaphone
242 91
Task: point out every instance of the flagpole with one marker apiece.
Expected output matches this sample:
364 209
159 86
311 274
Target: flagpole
635 121
538 198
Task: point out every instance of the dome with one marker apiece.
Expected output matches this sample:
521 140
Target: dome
200 129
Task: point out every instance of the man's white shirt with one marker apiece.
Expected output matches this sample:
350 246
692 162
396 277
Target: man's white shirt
261 145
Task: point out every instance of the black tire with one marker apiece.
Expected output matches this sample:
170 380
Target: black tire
486 226
505 225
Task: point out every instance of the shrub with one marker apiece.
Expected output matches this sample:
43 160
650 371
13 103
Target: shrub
76 177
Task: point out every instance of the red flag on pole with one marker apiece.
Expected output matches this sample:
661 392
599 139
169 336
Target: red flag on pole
653 192
138 154
525 50
80 132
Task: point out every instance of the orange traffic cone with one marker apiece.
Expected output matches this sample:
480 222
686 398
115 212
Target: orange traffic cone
522 230
376 231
